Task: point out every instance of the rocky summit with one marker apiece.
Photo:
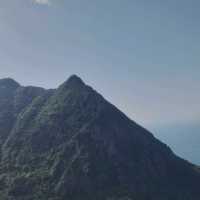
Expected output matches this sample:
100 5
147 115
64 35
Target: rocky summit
70 143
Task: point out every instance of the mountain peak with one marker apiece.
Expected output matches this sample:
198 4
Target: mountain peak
73 81
8 83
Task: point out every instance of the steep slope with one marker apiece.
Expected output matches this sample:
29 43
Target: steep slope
70 143
183 138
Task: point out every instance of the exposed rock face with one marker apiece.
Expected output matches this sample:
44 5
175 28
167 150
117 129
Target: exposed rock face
70 143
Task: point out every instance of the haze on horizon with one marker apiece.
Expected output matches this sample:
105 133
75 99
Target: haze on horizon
143 56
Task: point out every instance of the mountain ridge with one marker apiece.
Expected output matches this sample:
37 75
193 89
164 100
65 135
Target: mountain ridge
70 143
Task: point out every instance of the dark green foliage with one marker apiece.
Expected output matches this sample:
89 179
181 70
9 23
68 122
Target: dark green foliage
71 144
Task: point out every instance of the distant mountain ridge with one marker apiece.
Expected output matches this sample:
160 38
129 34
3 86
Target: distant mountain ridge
70 143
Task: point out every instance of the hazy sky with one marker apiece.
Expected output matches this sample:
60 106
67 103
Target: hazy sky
142 55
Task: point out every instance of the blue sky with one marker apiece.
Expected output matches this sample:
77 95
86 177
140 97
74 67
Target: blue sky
142 55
